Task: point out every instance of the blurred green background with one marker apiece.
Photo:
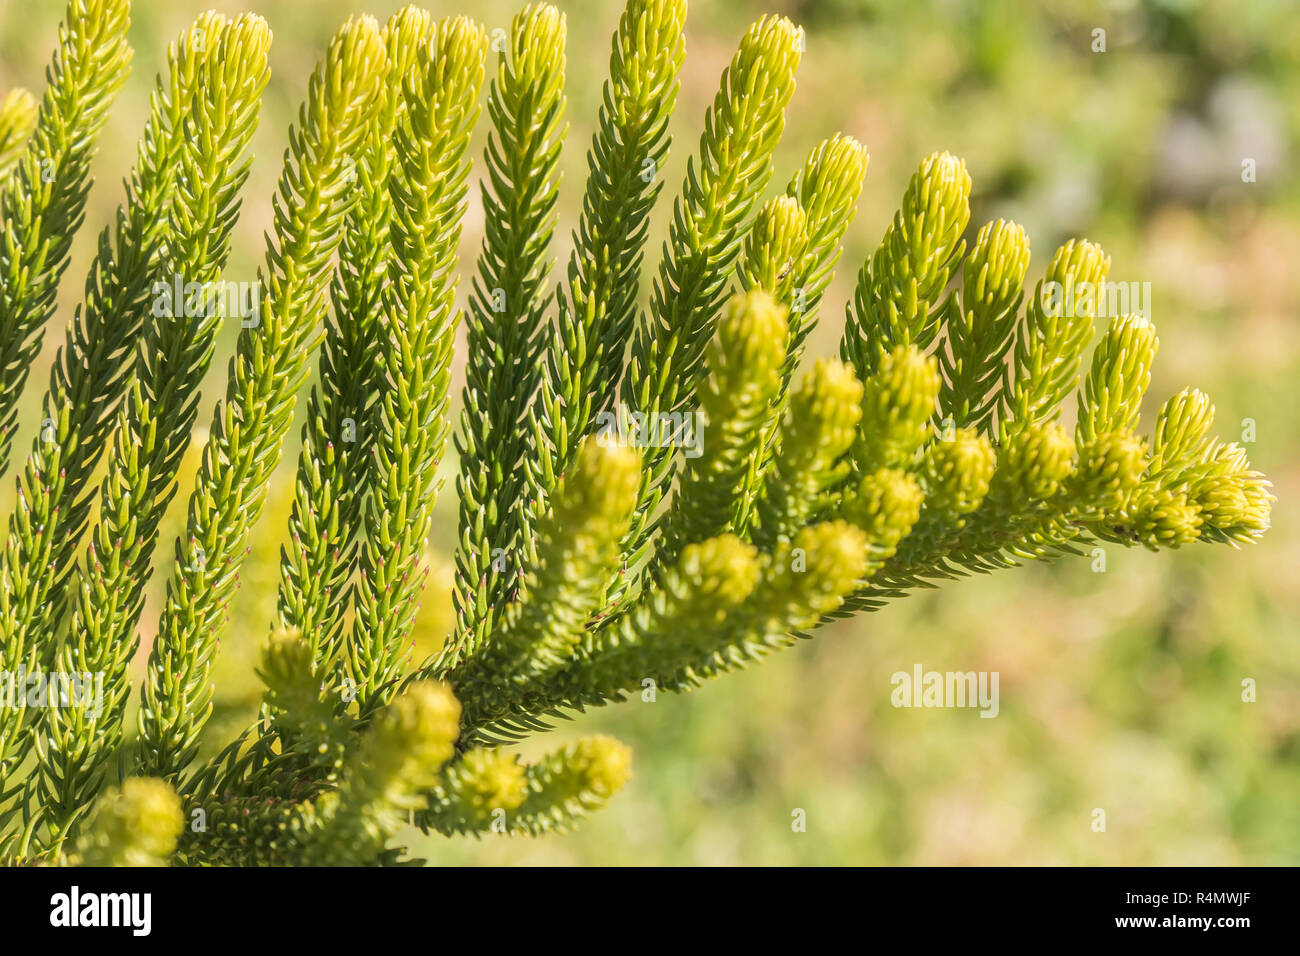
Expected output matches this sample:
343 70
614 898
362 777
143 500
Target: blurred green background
1119 690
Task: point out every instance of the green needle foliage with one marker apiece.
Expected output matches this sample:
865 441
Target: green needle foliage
743 363
421 318
42 204
154 426
93 369
647 499
508 314
597 308
248 428
342 412
733 166
18 115
901 294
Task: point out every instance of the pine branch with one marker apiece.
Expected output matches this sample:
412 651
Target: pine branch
1111 399
723 606
154 426
898 402
427 205
93 369
742 375
342 417
722 183
933 450
899 299
819 429
475 794
384 781
955 473
507 317
980 330
42 205
248 429
571 784
827 186
1051 339
577 545
490 791
584 358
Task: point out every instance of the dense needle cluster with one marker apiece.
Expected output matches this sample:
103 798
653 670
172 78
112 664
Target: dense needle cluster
648 495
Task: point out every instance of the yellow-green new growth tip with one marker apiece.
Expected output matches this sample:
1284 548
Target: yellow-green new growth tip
828 404
577 546
404 33
1232 502
387 777
885 505
1111 399
134 826
1222 501
1056 330
410 740
1235 500
808 578
596 496
1109 470
775 245
956 472
722 570
571 784
476 792
295 704
687 609
980 330
288 670
1032 464
820 427
899 295
743 374
827 187
1161 518
797 584
746 351
773 259
597 766
18 112
898 402
1182 426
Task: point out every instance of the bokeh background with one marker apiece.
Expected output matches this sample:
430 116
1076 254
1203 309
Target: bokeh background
1119 690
